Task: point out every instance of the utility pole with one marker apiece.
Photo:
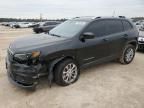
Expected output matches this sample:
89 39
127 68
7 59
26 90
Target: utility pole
41 17
113 13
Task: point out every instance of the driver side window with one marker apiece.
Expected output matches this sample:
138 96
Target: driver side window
98 28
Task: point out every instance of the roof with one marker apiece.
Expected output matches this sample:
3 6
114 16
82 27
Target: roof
90 18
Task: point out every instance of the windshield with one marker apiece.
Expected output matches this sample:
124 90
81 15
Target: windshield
68 28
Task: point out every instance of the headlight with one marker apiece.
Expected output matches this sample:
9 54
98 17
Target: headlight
141 39
27 56
22 57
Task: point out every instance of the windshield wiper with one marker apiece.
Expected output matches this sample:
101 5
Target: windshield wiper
55 35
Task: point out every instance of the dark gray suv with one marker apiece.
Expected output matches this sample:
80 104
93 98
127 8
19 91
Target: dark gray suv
70 46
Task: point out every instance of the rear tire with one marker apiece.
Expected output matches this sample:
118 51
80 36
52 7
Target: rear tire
128 54
66 72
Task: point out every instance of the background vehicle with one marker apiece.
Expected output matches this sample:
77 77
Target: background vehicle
141 42
24 24
10 24
140 26
16 25
13 24
45 26
5 24
70 46
34 24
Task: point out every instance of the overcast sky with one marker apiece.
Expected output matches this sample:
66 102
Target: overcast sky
70 8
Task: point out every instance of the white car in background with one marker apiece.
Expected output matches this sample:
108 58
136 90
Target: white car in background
25 24
12 24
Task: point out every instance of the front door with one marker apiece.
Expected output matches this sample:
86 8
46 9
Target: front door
97 48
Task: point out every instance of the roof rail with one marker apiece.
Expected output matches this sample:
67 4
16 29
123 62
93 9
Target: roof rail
122 17
88 17
76 17
97 17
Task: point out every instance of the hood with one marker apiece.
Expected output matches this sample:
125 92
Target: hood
34 41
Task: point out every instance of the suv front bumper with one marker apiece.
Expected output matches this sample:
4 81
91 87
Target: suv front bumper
22 75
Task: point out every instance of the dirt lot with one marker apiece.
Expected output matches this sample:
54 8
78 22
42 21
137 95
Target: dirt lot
109 85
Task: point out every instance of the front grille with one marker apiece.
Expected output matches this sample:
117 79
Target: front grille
20 79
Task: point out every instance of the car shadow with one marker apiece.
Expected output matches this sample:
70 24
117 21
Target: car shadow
43 83
140 51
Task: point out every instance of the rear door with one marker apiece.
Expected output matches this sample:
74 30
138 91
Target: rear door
129 30
115 35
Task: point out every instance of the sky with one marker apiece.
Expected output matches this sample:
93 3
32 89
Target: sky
53 9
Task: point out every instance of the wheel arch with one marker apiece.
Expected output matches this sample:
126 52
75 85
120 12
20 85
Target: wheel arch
62 59
52 66
134 43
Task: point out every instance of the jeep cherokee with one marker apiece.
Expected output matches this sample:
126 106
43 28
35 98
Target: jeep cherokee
70 46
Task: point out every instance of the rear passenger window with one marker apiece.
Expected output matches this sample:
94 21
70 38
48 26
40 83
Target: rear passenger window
127 25
113 26
105 27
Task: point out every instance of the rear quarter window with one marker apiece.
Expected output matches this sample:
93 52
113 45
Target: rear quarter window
127 25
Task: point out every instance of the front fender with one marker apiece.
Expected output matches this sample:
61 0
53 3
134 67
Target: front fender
51 66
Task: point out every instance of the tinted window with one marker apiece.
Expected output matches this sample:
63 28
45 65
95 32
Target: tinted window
113 26
98 28
127 25
105 27
50 23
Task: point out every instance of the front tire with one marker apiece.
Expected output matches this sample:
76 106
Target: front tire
128 54
66 72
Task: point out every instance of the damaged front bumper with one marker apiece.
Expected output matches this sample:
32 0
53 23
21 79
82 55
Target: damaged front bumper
23 75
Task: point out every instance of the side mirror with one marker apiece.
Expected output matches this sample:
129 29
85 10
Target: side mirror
88 35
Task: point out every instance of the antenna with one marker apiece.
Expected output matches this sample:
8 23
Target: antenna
41 17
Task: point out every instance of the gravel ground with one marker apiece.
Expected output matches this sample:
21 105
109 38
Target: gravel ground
109 85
